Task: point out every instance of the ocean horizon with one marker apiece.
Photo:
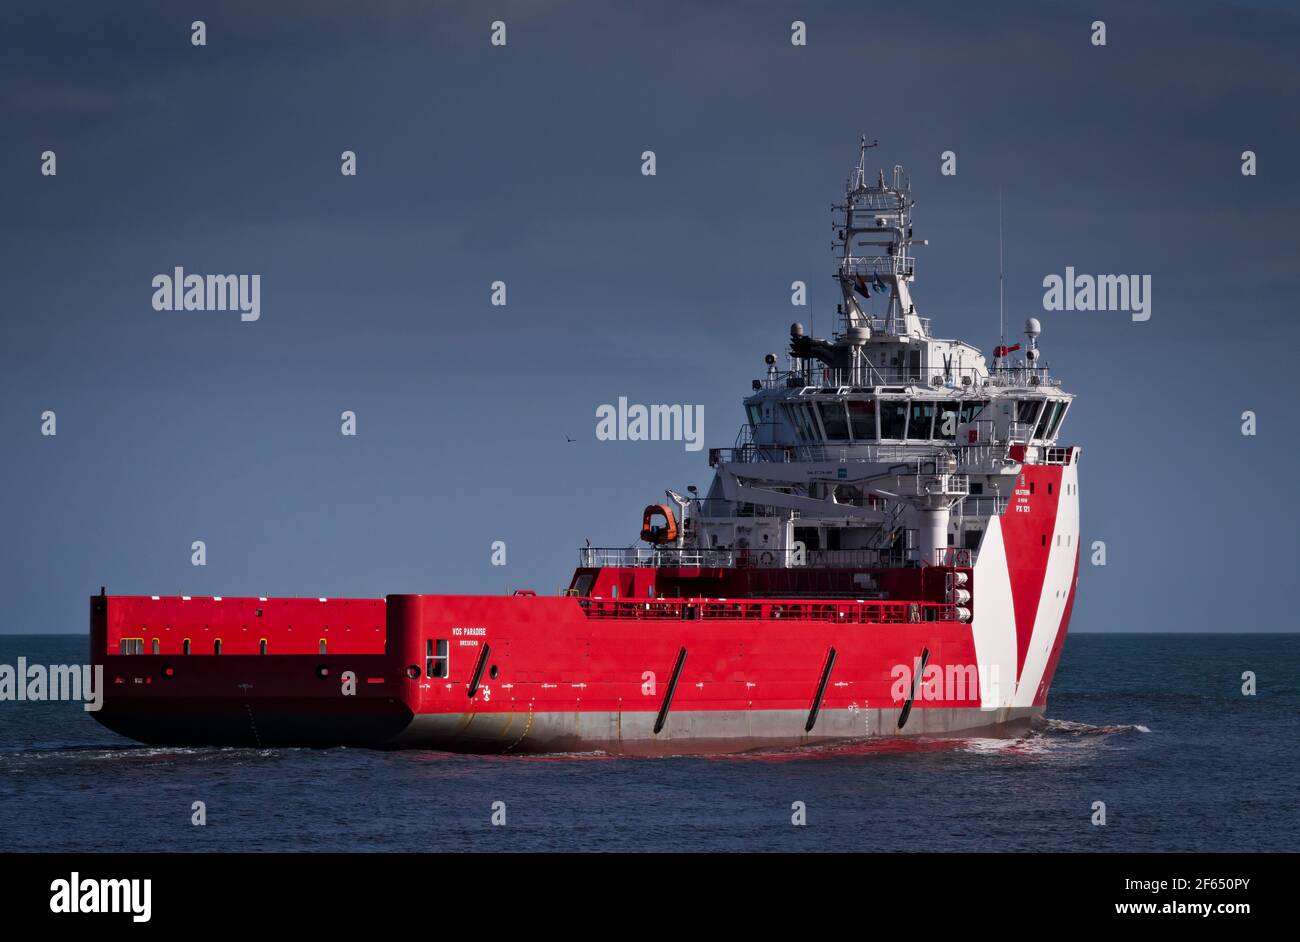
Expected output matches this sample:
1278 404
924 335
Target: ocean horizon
1155 726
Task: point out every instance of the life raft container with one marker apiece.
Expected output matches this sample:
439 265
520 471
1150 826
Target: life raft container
658 535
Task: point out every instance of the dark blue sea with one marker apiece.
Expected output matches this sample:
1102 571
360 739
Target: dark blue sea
1154 726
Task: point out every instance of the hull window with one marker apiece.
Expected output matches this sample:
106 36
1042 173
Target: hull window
436 657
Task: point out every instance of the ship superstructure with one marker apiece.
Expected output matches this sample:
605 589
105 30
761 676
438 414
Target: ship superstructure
890 547
881 446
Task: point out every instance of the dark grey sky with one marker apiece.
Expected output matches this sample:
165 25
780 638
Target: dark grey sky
523 164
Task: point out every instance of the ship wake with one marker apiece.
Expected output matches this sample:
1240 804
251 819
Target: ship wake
1053 727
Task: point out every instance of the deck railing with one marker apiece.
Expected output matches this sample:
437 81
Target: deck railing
869 377
839 612
689 558
651 557
990 505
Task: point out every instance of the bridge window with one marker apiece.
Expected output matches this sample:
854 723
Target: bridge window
155 645
1056 420
918 425
803 425
862 419
131 646
1047 419
793 419
261 646
323 645
893 418
185 648
1027 411
945 421
834 421
809 422
970 410
436 657
216 646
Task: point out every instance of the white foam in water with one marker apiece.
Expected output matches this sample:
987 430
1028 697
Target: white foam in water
1070 727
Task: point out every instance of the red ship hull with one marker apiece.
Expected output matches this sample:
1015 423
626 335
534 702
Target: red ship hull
555 674
640 674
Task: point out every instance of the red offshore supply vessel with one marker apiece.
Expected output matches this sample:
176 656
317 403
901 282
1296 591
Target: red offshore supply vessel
891 548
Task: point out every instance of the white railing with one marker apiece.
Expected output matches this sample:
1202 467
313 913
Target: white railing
982 506
1023 376
1020 433
670 557
594 557
900 265
946 484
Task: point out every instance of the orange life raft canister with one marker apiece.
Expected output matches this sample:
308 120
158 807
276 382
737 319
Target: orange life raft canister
658 534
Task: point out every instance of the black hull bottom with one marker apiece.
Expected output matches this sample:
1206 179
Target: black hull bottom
393 726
